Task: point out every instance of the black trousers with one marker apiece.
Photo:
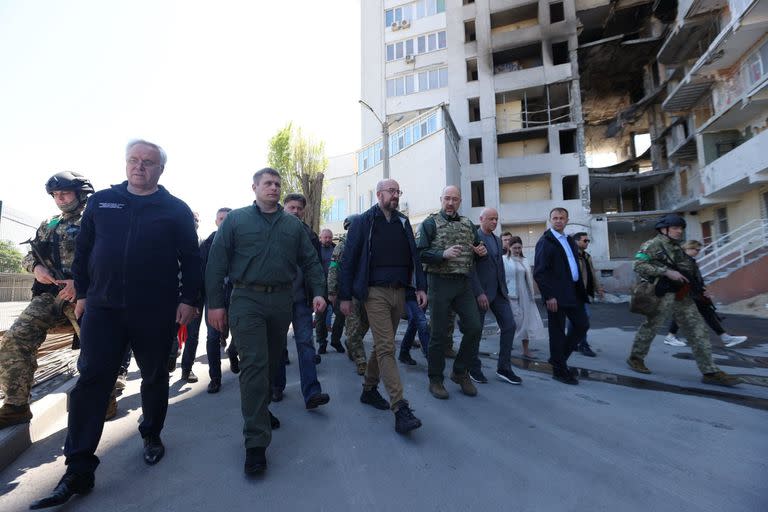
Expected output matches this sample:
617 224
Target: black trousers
104 336
709 315
561 346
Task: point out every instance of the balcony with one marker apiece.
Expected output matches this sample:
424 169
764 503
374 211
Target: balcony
737 170
749 23
681 141
687 93
684 40
510 27
534 107
512 80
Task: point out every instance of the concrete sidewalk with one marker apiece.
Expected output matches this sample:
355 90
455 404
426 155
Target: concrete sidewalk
537 447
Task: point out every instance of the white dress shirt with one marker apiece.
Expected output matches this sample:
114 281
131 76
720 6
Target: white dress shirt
563 239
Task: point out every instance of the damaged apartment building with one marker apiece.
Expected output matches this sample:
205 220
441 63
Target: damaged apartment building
618 110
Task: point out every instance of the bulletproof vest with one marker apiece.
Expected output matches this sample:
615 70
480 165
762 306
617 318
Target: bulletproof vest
448 233
56 241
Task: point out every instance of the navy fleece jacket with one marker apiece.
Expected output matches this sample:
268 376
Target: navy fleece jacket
130 249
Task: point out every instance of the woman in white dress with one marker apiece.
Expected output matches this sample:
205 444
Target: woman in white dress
520 287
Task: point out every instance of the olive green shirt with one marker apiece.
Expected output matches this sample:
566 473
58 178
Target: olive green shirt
660 254
256 249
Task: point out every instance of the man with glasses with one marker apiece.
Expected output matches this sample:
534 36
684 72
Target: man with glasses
379 262
591 284
134 238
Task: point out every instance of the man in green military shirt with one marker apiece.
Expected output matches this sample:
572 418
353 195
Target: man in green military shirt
449 244
661 259
356 324
259 248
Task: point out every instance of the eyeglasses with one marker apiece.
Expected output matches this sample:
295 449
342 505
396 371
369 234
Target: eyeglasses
143 163
393 191
586 241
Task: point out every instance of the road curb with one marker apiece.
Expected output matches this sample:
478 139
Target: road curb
46 414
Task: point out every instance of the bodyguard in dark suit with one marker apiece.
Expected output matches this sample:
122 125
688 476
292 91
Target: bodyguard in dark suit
490 287
556 272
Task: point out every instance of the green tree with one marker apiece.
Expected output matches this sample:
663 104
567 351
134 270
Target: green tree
301 162
10 257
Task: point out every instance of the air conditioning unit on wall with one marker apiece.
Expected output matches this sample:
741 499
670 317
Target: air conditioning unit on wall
395 25
405 24
410 59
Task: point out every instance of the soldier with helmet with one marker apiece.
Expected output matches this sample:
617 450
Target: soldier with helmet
662 260
52 298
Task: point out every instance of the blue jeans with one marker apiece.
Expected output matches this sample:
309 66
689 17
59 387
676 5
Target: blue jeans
502 311
417 321
305 349
583 341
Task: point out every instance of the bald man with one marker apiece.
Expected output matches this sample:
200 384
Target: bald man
489 284
380 261
449 245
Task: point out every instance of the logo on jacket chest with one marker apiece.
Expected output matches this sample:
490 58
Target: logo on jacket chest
114 206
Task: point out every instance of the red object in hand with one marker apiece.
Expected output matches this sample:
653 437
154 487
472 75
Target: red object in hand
182 335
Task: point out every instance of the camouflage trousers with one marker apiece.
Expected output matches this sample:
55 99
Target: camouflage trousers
18 347
357 327
687 315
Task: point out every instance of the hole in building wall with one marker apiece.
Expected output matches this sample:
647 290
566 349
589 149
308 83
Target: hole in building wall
474 109
556 12
515 59
475 151
467 2
478 193
567 141
471 70
470 33
570 187
560 53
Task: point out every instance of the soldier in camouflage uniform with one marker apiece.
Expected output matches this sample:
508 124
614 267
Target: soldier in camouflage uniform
662 257
448 244
356 324
52 299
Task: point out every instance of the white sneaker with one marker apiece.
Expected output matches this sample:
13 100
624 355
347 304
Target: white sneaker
671 339
732 341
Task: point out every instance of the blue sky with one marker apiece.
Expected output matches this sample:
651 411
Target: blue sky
209 81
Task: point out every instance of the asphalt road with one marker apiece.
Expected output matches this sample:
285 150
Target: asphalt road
542 446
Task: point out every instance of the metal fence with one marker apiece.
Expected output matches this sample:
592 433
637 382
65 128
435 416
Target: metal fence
16 287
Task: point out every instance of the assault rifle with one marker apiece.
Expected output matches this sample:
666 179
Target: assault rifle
67 308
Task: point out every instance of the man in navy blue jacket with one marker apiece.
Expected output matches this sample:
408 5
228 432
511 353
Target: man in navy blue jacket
556 272
133 239
380 260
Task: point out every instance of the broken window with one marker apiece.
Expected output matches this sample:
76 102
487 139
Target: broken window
478 193
525 189
515 18
470 33
567 141
475 151
570 187
471 70
515 59
556 12
474 109
560 53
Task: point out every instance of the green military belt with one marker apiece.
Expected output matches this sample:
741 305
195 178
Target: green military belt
266 288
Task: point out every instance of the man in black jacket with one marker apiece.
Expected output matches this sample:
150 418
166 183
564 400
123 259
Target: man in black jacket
133 239
380 260
556 272
214 338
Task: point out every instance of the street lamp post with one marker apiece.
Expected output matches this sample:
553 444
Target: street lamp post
384 139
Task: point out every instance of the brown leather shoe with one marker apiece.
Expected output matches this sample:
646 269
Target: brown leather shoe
361 368
463 380
638 365
111 409
720 379
438 390
14 415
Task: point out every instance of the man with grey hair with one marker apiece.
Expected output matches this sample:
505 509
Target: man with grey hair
134 238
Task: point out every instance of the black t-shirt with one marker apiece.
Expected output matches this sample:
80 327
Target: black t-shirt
391 261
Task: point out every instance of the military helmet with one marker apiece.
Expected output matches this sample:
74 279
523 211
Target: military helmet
68 180
348 221
670 219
